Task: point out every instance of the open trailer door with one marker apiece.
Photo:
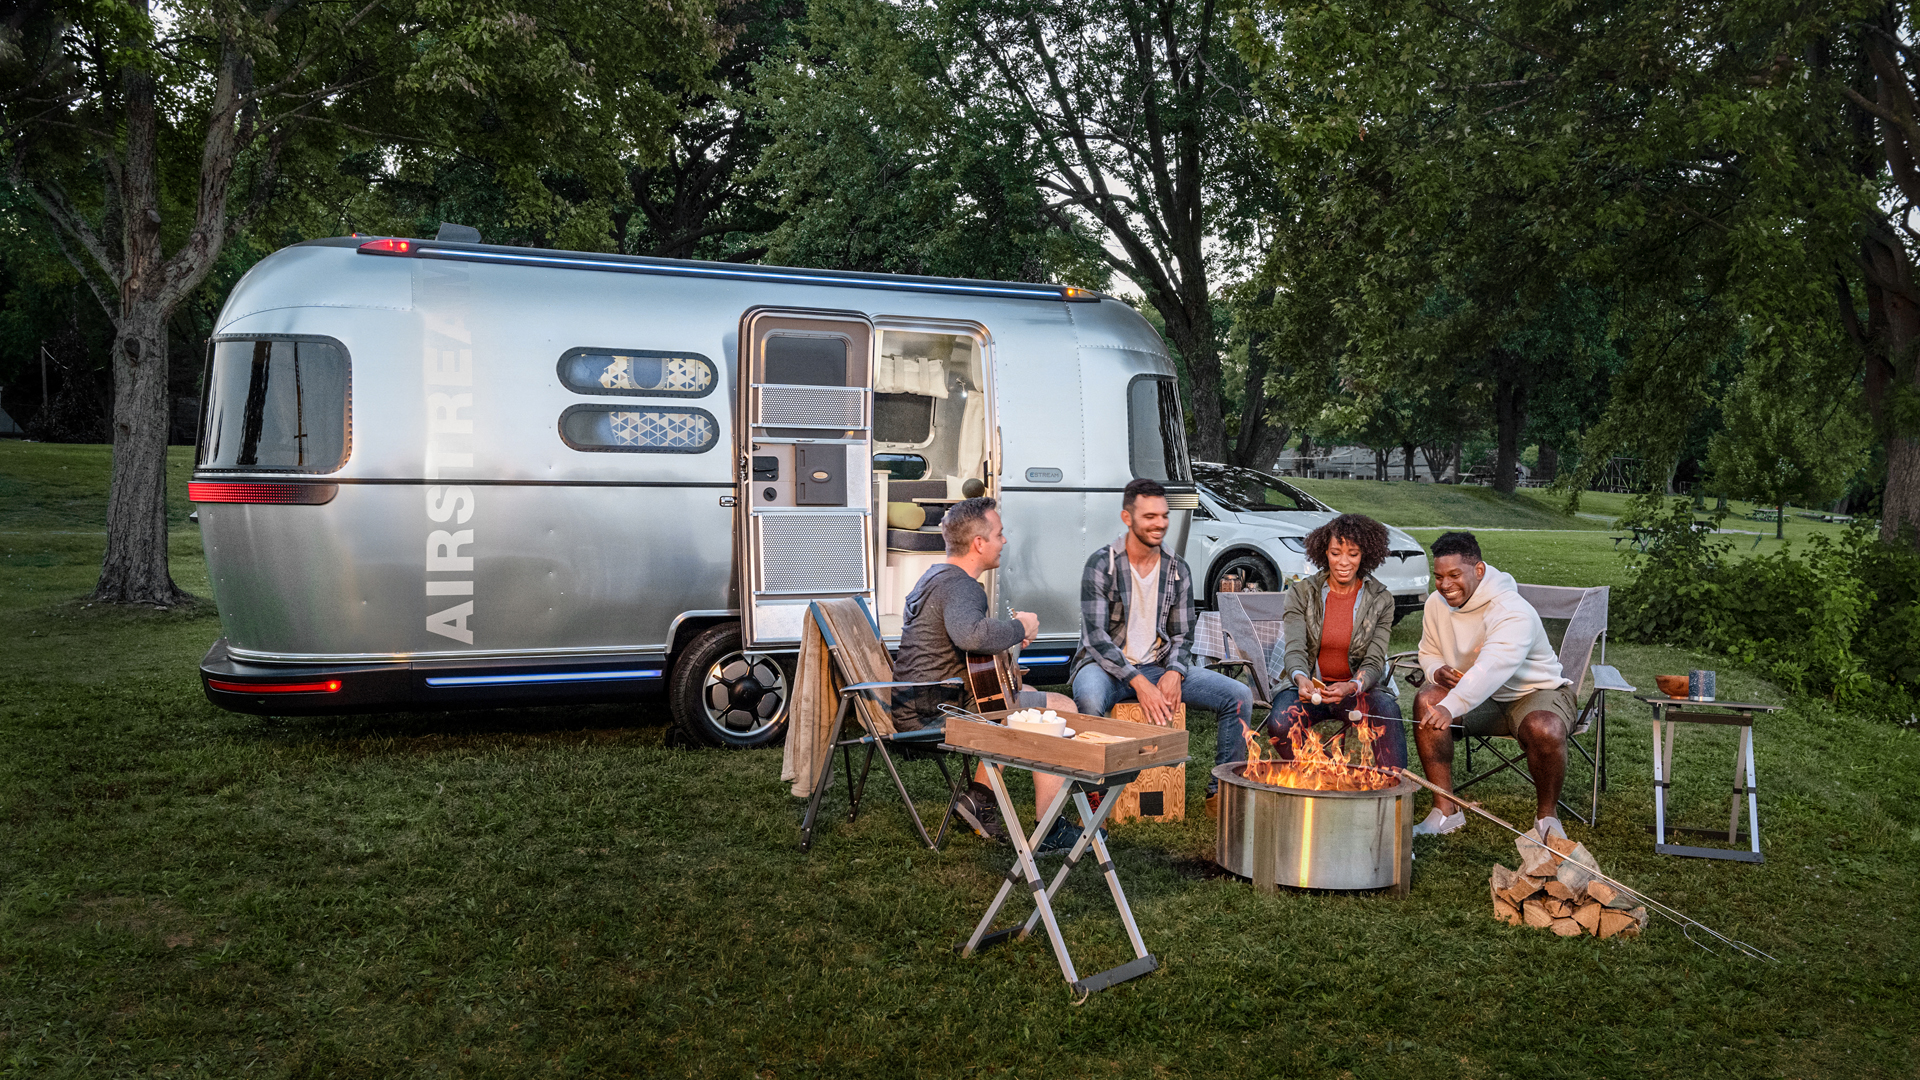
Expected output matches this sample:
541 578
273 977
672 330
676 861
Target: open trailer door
805 426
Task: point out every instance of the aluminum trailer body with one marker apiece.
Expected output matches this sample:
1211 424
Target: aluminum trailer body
460 475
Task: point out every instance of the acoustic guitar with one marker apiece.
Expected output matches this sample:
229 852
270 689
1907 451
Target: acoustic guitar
993 680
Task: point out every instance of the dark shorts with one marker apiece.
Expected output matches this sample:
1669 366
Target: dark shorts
1492 717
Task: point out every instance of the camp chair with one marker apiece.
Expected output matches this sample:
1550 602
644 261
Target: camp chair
1586 613
862 673
1251 623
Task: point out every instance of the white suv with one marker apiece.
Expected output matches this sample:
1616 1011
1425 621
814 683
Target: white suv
1252 526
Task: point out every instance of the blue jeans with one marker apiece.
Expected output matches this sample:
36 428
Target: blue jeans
1096 693
1383 710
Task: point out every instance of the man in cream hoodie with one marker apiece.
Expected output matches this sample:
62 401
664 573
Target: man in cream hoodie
1490 671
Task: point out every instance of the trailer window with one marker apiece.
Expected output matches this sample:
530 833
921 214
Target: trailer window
639 431
906 419
275 405
637 373
1156 435
795 359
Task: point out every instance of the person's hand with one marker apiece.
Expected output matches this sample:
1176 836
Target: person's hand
1447 676
1151 700
1031 622
1303 684
1170 689
1340 691
1437 718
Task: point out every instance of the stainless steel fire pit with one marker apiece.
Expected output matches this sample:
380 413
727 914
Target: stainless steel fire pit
1315 839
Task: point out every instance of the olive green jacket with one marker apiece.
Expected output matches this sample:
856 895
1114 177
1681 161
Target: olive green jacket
1306 611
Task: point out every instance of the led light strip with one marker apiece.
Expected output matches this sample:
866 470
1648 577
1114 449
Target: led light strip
330 686
557 677
403 247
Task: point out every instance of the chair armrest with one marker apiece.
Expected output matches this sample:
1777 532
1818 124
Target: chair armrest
1607 677
854 688
1406 661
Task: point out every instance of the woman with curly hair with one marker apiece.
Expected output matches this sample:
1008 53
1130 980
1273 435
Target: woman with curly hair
1336 627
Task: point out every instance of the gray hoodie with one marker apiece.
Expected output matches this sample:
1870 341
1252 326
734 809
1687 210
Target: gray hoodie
945 616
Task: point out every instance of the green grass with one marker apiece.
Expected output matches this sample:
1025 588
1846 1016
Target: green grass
185 891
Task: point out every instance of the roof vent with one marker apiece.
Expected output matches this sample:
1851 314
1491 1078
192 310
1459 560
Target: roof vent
458 234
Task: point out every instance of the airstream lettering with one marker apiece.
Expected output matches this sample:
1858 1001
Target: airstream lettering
610 477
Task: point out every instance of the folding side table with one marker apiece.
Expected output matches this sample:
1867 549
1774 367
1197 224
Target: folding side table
1027 870
1670 711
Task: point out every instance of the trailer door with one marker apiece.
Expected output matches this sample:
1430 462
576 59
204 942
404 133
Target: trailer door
805 420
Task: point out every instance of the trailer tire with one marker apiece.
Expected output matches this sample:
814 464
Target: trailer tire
723 697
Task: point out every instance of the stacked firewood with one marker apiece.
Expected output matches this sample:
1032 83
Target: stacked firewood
1555 889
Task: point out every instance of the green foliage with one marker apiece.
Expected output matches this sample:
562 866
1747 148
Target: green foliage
888 159
1841 619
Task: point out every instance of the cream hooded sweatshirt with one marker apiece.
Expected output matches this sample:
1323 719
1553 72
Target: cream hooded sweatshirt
1496 638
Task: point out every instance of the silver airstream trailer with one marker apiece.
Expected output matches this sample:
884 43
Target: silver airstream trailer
438 474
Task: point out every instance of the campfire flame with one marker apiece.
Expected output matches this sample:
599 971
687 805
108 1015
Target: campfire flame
1318 763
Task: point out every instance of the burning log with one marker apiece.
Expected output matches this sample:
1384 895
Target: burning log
1556 888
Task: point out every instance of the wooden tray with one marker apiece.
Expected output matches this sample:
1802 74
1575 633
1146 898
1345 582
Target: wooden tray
1144 745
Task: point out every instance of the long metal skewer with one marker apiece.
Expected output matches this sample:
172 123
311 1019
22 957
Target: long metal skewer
1687 923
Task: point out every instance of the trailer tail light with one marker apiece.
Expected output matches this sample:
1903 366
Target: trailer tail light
388 246
330 686
208 491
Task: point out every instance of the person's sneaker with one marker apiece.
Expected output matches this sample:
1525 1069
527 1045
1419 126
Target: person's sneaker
1438 824
1550 826
981 813
1059 839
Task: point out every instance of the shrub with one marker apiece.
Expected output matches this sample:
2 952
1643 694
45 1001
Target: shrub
1840 618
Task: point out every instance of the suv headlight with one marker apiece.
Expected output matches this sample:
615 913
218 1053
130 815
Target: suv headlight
1295 544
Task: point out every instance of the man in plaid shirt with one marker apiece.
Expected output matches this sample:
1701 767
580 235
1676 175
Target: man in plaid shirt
1136 632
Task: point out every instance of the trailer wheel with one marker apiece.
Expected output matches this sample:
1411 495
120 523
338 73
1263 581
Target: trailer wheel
1254 573
728 698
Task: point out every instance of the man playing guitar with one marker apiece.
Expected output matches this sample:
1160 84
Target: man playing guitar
946 618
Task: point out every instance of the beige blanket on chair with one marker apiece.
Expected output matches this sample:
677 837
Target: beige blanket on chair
816 689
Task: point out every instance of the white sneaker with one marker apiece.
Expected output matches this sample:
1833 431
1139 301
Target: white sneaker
1550 826
1438 824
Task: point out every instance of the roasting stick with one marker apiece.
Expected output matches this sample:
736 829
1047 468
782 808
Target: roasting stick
1687 923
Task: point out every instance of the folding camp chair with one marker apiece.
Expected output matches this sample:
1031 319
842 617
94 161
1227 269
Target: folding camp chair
1586 613
863 672
1251 622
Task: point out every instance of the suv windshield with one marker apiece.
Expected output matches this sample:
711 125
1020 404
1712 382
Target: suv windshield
1253 492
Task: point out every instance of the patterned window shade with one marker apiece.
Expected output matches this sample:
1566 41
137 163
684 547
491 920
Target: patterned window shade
637 373
624 429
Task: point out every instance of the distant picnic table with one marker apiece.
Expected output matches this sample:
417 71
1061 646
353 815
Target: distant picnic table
1644 534
1760 513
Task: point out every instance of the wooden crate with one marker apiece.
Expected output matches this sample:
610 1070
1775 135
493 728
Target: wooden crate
1142 745
1161 793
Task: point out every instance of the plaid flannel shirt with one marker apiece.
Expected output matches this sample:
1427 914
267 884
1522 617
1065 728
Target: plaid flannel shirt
1104 596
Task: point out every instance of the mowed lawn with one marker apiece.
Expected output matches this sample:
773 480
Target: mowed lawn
189 892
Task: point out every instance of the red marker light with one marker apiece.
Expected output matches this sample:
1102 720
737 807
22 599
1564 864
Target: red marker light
210 491
331 686
387 247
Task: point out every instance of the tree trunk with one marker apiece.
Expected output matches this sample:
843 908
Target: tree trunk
1549 463
1510 418
1303 457
1406 462
134 570
1261 439
1780 521
1380 464
1192 334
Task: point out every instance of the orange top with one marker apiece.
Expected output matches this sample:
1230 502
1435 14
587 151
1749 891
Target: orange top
1336 637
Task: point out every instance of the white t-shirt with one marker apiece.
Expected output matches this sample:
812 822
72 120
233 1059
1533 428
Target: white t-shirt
1143 604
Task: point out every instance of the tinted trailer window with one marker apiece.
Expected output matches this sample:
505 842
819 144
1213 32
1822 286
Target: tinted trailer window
276 405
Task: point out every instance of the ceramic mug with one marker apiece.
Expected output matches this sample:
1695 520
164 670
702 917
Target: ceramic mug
1700 685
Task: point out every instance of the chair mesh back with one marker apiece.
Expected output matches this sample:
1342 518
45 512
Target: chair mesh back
1586 613
1256 616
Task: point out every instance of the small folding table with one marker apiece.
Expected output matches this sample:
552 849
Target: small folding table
1670 711
1108 769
